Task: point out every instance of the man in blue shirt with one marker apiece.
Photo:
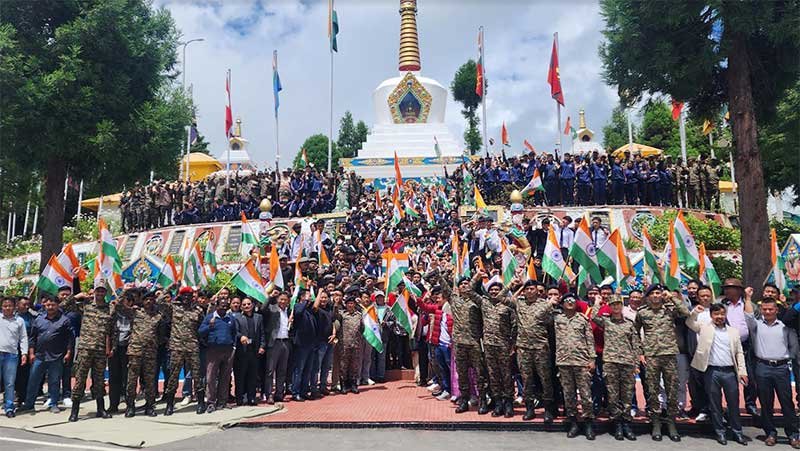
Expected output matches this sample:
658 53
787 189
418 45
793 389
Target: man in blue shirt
631 184
567 175
584 176
549 173
599 179
219 329
617 182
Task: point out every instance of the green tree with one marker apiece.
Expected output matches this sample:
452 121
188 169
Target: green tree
463 90
658 129
89 85
200 144
361 134
347 141
778 140
615 132
316 147
709 53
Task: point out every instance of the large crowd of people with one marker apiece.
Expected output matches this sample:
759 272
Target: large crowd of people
473 338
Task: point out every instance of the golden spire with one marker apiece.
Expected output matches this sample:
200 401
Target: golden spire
582 121
409 42
238 130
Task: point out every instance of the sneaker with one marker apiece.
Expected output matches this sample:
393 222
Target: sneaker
444 396
634 412
370 382
453 398
701 417
67 403
473 401
185 401
47 403
518 401
433 387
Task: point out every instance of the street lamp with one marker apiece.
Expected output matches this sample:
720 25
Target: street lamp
183 87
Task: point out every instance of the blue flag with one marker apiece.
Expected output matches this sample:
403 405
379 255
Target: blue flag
276 81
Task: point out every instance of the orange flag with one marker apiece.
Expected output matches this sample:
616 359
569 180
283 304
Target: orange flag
504 134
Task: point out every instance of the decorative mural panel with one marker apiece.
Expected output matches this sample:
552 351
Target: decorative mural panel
410 102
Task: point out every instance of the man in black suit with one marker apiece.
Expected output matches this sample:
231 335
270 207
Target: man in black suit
250 344
276 332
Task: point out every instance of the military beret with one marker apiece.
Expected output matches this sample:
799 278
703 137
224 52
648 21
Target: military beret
436 289
493 284
185 290
463 279
352 289
652 288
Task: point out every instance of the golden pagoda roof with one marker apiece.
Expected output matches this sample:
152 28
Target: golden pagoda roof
409 40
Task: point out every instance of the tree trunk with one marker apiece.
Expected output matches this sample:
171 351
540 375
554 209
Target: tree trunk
53 221
749 173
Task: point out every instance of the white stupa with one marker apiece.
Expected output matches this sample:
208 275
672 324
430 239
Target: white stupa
237 153
584 143
409 118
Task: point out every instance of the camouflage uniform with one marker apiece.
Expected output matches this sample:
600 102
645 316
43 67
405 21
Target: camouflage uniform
183 343
466 338
695 192
96 324
620 356
351 347
712 193
533 346
499 335
574 352
660 348
142 353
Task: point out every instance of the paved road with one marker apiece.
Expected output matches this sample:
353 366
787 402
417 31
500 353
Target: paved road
384 439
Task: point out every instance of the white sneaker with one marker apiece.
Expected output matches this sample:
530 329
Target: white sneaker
634 413
453 398
433 387
701 417
473 401
518 401
185 401
47 404
67 403
370 382
444 396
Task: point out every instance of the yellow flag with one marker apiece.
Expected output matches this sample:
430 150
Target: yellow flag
707 127
479 203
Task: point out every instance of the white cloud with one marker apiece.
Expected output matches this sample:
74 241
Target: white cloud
241 35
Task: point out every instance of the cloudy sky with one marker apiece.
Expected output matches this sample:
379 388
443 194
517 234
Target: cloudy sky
241 35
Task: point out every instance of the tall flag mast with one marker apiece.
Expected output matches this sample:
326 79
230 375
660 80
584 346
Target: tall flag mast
554 79
276 88
480 88
333 30
228 128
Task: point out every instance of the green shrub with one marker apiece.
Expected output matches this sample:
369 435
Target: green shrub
783 229
710 232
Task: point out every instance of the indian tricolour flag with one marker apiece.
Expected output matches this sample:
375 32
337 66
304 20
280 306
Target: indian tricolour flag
397 212
410 208
707 273
396 269
303 158
534 185
509 263
614 259
168 274
464 261
69 261
299 284
275 273
443 198
249 237
672 273
650 261
687 248
54 277
777 263
553 263
194 271
530 271
249 281
108 264
210 259
372 328
584 252
401 311
411 287
429 212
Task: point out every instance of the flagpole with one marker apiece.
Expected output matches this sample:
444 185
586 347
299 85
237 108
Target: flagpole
80 196
227 137
682 131
330 125
27 215
483 90
711 144
277 129
189 137
630 135
558 106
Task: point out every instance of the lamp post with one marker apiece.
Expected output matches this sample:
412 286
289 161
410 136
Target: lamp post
183 87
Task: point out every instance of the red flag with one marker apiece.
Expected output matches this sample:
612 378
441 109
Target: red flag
228 111
554 78
529 146
504 135
479 69
569 126
676 109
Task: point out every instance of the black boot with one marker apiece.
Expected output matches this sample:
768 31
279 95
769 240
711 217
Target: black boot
463 405
73 415
655 434
201 402
499 407
618 433
170 409
101 409
548 413
150 410
483 406
508 410
130 407
672 431
529 413
588 430
573 428
627 431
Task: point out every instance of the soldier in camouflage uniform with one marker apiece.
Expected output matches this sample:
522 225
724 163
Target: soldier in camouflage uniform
95 346
660 349
466 338
184 346
499 335
575 356
713 172
351 327
620 363
681 173
534 314
694 192
142 353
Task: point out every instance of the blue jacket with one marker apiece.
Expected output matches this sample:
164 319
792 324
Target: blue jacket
616 173
598 172
304 324
567 170
549 172
631 177
584 176
222 333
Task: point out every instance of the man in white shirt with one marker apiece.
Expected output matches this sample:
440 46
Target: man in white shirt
720 357
597 233
13 343
704 297
276 328
564 234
